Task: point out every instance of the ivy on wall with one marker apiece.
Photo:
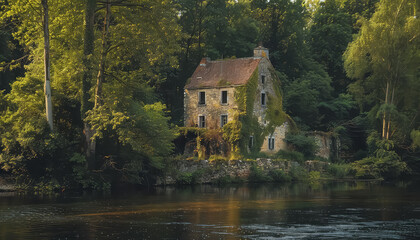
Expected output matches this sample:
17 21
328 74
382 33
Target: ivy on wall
236 133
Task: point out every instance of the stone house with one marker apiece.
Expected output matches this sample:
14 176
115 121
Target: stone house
241 89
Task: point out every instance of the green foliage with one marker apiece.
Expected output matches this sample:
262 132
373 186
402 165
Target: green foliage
223 180
303 144
415 137
137 127
291 155
298 173
185 178
278 175
383 60
384 164
143 42
189 178
86 179
217 158
329 35
314 176
256 174
339 171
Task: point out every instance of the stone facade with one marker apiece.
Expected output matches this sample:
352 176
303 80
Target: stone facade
211 78
213 108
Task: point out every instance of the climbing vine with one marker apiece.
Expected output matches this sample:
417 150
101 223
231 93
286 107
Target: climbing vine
245 123
236 133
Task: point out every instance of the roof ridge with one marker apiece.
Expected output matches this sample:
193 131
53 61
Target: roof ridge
231 59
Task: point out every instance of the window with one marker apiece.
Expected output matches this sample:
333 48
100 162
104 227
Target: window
224 98
202 98
271 143
251 142
262 79
262 99
223 120
202 121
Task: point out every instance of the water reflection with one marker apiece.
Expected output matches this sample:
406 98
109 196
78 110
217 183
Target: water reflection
337 210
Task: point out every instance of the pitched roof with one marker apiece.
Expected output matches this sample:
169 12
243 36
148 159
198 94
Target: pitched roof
229 72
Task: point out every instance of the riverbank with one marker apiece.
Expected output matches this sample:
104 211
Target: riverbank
184 172
6 185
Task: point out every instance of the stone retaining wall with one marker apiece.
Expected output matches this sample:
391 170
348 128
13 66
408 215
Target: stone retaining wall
211 171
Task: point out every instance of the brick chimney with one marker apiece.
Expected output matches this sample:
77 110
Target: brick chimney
260 52
204 61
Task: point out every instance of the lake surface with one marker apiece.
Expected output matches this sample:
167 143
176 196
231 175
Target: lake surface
340 210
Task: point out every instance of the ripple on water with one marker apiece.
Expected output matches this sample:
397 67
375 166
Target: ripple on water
408 229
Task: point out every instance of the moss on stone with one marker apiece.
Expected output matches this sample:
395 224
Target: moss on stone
223 83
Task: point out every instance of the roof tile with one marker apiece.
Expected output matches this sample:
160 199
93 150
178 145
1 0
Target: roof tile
210 74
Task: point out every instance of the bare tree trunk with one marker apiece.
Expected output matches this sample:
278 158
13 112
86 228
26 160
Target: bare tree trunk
101 74
47 85
89 39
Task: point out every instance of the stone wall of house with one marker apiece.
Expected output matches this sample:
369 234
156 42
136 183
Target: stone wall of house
267 88
328 145
259 110
212 110
211 171
279 135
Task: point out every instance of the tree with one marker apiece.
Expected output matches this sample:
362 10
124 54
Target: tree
47 84
142 42
329 35
384 59
86 105
283 23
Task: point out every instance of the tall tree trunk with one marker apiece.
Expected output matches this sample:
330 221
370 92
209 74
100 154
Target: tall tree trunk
389 115
89 39
384 113
101 74
47 85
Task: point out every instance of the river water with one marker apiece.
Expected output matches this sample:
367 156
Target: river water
339 210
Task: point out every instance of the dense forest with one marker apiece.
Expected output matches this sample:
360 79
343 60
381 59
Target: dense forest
91 92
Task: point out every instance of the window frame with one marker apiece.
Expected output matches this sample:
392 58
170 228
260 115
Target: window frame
221 97
263 103
251 142
200 94
263 79
199 121
271 142
221 120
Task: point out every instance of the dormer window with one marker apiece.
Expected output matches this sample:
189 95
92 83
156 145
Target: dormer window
202 98
224 97
263 99
262 79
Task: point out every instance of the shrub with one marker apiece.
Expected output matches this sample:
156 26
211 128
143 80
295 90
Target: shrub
386 163
374 167
223 180
298 173
256 174
291 155
339 170
278 175
303 144
314 176
185 178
